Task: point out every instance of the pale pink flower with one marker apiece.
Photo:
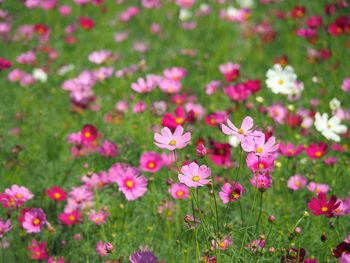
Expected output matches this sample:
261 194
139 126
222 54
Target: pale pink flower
223 244
185 3
258 145
240 133
144 85
194 175
167 140
278 113
99 57
317 187
175 73
261 181
297 182
262 163
169 86
98 217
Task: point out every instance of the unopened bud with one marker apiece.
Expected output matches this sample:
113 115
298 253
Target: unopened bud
272 218
201 150
323 237
297 230
108 247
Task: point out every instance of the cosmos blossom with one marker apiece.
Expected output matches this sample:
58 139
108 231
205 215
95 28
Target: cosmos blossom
56 193
259 146
132 184
246 128
231 192
179 191
321 206
151 162
194 175
34 220
171 141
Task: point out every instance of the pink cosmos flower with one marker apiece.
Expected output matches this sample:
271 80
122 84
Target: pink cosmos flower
99 57
71 218
297 182
179 191
96 180
231 192
317 187
289 150
132 184
261 181
144 85
238 92
5 226
151 162
212 86
185 3
26 58
55 260
220 154
194 175
101 249
169 85
230 71
345 86
108 149
262 164
315 151
56 193
98 217
258 145
38 251
240 133
81 194
343 208
224 244
278 113
34 220
170 141
216 118
175 73
19 194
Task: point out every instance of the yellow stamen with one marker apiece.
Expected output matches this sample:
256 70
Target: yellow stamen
172 143
36 221
281 82
259 150
195 178
71 218
129 183
179 120
151 165
57 195
240 131
180 193
324 209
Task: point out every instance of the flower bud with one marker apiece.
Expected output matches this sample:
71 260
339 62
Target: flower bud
271 218
201 150
108 247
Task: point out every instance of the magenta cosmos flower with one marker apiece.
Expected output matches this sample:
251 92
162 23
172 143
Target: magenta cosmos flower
194 175
170 141
258 145
132 184
34 220
289 150
240 133
297 182
231 192
261 164
151 162
179 191
321 206
5 226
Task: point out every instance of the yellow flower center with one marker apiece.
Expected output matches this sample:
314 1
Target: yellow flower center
281 82
324 209
195 178
179 120
172 143
240 131
259 150
151 165
235 195
87 134
36 221
180 193
223 244
297 183
318 154
261 166
71 218
19 196
57 195
129 183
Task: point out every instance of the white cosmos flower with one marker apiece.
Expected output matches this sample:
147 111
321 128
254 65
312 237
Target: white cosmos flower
281 80
233 141
329 128
246 3
334 104
40 75
185 14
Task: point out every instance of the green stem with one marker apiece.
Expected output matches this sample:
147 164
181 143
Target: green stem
260 211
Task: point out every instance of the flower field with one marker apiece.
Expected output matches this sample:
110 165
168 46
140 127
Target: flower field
150 131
